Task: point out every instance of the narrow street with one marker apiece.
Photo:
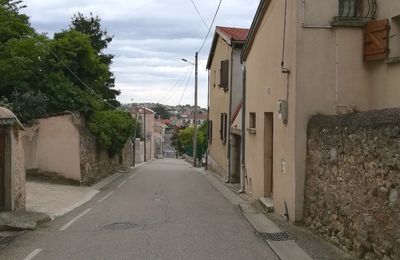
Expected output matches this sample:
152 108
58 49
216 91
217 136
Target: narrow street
162 210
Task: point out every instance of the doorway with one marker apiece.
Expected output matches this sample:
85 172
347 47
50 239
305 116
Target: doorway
268 154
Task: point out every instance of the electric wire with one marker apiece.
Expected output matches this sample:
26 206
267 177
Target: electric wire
37 38
209 29
187 84
177 83
198 12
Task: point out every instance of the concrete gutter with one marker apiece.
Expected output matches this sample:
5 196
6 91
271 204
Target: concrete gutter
285 250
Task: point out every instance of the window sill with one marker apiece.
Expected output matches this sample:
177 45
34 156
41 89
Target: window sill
349 22
392 60
251 131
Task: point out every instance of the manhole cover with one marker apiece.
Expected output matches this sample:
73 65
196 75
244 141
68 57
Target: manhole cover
120 226
281 236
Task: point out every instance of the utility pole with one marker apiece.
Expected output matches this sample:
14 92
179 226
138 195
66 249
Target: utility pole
144 134
196 64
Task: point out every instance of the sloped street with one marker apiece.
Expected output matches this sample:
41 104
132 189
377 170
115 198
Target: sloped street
162 210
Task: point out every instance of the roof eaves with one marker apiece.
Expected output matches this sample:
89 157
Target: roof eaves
212 50
261 10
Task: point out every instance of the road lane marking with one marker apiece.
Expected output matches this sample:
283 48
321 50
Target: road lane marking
74 220
33 254
105 197
122 183
133 175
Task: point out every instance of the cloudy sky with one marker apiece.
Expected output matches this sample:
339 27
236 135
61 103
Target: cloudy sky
150 38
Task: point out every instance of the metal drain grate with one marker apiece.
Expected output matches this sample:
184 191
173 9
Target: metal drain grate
281 236
120 226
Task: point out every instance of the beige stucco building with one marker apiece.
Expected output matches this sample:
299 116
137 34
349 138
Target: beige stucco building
225 95
309 57
147 118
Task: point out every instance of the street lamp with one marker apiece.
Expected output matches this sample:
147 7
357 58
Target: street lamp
196 64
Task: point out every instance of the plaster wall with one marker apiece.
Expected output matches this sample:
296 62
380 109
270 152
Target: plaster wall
52 146
265 86
332 76
219 103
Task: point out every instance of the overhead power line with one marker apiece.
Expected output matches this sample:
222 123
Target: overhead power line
198 12
187 84
37 38
212 23
175 86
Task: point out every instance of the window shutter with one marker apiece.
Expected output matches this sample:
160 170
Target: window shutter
376 40
224 75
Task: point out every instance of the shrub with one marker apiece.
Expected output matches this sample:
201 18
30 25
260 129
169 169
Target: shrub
112 129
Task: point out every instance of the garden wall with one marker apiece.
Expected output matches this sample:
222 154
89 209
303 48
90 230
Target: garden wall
353 182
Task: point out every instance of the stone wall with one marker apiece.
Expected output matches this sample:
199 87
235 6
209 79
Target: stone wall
95 162
19 172
353 182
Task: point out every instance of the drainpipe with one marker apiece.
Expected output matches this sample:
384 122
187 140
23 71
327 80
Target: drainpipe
229 179
208 118
243 139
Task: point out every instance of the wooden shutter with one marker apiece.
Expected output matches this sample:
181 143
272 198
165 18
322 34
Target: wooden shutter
224 75
376 40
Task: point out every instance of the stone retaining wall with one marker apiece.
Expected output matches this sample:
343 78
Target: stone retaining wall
353 182
95 162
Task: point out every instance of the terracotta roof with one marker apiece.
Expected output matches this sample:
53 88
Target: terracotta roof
235 37
234 34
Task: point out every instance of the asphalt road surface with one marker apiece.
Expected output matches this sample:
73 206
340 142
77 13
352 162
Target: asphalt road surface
162 210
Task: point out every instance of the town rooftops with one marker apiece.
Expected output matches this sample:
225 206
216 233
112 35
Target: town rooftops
233 36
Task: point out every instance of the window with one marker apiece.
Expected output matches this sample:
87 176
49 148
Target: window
223 127
357 9
394 37
214 78
252 122
224 75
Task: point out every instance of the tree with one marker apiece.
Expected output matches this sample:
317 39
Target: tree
161 111
99 40
182 140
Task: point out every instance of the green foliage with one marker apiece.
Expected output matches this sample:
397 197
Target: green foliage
162 112
112 129
34 79
182 140
29 105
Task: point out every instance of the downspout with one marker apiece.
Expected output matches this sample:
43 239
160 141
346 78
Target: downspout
208 119
229 179
243 139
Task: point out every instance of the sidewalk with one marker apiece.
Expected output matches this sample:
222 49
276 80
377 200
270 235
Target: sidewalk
56 199
287 240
